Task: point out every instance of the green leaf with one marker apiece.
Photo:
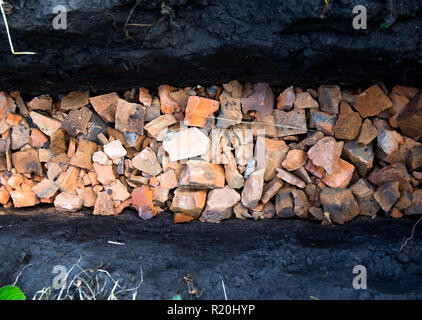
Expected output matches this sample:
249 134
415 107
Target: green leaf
11 293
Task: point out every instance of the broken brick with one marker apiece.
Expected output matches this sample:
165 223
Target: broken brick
368 132
301 204
340 203
329 97
168 105
146 161
400 96
142 201
117 191
43 102
294 160
271 189
414 161
114 150
389 141
144 97
20 135
24 196
410 118
38 139
275 153
105 105
324 122
387 195
68 181
76 121
27 161
230 111
371 102
58 142
416 207
168 180
290 123
305 101
286 99
45 189
252 191
83 155
391 173
75 100
326 153
104 204
361 156
284 205
401 154
261 100
348 123
340 176
186 144
105 174
202 175
190 202
234 87
4 195
129 117
182 218
219 205
290 178
199 110
160 123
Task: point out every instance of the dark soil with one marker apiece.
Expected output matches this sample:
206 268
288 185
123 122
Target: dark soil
274 259
208 42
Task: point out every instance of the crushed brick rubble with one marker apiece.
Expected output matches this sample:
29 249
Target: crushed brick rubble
211 153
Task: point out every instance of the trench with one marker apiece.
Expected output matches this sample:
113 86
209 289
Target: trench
213 42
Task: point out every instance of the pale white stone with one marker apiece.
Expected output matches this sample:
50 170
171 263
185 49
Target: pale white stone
100 157
68 202
186 144
114 150
146 161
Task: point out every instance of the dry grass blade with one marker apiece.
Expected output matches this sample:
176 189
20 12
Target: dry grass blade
9 37
20 273
253 122
327 2
88 284
411 235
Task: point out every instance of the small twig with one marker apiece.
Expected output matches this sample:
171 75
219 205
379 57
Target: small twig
411 235
115 242
43 291
67 274
112 296
8 32
253 122
327 2
127 21
17 278
114 21
224 289
145 24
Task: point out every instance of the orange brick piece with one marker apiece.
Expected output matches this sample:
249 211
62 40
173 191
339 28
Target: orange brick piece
182 218
38 139
142 201
168 105
198 111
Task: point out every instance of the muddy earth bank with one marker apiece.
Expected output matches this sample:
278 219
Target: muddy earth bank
212 41
181 42
278 259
